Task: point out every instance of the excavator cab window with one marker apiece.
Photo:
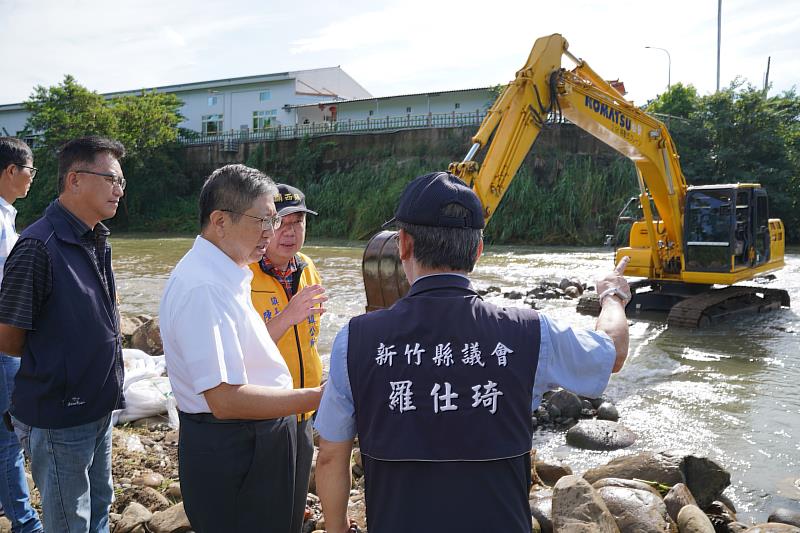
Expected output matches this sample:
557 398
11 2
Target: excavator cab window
709 221
761 227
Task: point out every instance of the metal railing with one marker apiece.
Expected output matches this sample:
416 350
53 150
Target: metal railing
341 127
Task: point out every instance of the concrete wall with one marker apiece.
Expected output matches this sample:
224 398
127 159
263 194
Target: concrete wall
12 120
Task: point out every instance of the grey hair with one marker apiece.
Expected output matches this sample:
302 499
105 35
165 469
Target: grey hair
437 247
233 188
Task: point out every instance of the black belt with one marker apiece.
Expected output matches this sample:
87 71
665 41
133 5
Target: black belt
208 418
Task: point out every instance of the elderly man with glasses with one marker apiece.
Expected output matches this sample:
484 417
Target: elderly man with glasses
58 311
235 397
288 294
16 176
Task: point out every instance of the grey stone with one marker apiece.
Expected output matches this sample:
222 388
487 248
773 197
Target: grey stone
785 516
677 498
550 473
600 435
578 508
541 502
568 403
607 411
564 284
692 520
553 411
133 515
737 527
773 527
635 506
147 338
705 478
572 292
513 295
172 520
174 491
719 513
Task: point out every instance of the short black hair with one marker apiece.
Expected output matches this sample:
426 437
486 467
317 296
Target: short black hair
233 188
85 150
440 247
14 151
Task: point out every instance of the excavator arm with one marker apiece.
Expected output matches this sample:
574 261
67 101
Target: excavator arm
542 89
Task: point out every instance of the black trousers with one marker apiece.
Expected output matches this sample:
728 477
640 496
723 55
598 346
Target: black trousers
237 475
305 455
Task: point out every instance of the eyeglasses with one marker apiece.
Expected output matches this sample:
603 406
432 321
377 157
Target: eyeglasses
113 179
33 170
267 224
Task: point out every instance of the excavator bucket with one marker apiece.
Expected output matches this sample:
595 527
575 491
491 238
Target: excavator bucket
384 279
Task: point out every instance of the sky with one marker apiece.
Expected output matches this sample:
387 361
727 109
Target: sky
391 46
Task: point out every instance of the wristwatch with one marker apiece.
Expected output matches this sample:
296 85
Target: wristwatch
616 291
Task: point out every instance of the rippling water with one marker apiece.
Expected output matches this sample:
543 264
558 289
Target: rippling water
729 392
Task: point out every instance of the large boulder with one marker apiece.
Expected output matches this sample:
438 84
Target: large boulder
578 508
600 435
705 478
147 338
785 516
172 520
550 473
773 527
568 403
692 520
541 502
677 498
635 506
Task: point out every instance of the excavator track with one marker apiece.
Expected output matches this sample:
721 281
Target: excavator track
718 304
708 307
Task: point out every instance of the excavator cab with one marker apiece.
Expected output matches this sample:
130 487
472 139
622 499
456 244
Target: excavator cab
726 228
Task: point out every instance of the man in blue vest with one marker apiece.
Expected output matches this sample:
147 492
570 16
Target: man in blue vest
440 387
58 311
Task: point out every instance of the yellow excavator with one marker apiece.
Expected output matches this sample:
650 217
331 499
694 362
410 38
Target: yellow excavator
685 242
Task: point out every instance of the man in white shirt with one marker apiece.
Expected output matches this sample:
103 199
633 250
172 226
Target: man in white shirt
16 175
233 388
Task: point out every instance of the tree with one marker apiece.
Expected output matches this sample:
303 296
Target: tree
146 124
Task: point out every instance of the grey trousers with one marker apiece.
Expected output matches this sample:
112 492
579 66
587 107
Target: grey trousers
305 454
237 476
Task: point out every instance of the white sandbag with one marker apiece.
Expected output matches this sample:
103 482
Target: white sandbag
146 388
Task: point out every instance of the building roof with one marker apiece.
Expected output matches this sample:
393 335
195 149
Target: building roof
372 99
202 85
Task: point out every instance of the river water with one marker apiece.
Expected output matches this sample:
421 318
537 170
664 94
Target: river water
729 392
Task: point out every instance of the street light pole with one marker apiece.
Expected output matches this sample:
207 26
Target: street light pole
669 64
719 36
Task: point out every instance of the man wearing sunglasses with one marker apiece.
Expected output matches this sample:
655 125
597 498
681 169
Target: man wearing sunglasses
58 311
16 175
288 294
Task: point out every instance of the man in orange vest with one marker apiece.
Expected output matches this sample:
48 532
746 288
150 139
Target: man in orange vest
287 292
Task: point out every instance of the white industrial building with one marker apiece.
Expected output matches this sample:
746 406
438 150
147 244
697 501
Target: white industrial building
251 103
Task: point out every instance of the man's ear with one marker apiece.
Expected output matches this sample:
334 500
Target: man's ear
480 250
217 222
405 245
10 170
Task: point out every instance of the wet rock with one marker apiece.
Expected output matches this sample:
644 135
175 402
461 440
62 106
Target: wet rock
677 498
147 338
661 467
692 520
597 402
635 506
737 527
492 288
773 527
705 479
577 507
541 502
568 403
572 292
554 412
607 411
785 516
513 295
600 435
719 514
549 294
550 473
172 520
133 515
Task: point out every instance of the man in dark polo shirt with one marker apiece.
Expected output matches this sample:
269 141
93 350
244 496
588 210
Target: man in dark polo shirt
440 387
58 312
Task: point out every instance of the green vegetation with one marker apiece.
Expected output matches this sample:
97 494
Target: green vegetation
147 124
739 135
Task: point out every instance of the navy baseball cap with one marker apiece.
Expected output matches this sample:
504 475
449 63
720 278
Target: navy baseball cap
290 200
424 199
